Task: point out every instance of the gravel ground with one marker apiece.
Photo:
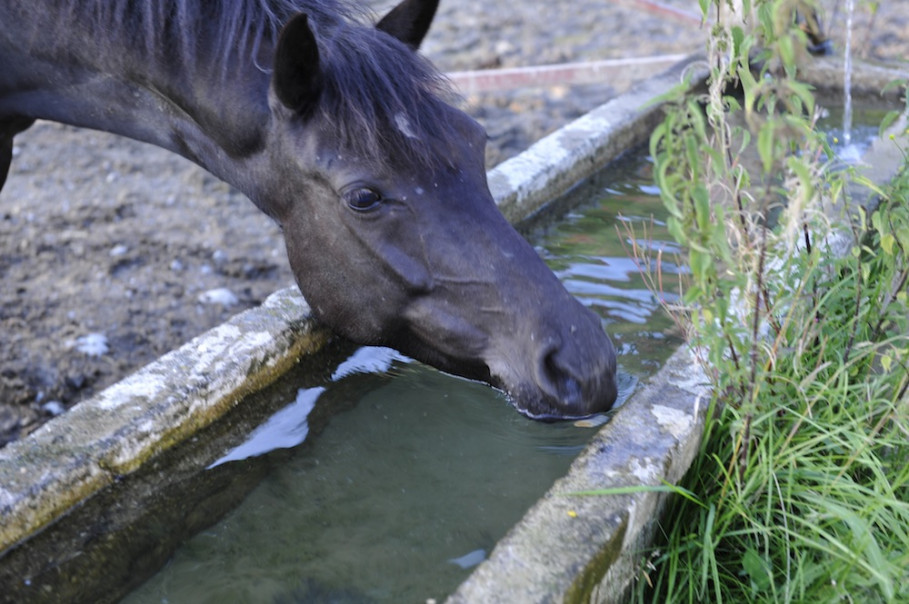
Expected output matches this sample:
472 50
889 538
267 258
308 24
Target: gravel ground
113 252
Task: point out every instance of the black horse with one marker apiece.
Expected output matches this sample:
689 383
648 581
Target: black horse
340 132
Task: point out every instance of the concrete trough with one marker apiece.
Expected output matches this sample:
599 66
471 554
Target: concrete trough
568 547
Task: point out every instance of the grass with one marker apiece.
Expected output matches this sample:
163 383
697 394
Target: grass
801 487
800 492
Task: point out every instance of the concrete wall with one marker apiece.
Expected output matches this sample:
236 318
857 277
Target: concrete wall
572 546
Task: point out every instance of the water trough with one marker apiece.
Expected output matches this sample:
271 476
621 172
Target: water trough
566 548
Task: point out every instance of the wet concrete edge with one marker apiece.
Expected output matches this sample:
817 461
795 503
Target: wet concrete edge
98 441
101 439
524 184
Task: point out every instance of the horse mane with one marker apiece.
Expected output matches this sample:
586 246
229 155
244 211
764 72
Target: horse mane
166 26
378 95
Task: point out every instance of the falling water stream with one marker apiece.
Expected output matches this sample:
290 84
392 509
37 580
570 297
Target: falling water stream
847 75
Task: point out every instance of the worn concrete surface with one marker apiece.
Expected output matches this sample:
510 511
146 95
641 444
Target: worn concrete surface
868 80
523 184
882 161
79 453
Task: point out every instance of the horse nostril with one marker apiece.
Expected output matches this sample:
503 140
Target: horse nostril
560 383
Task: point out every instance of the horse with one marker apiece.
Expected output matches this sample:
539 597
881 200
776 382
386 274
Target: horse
340 131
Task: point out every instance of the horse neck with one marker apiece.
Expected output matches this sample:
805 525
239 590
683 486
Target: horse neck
187 107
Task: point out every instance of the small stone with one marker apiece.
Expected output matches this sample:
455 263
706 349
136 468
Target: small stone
54 408
220 295
93 344
118 250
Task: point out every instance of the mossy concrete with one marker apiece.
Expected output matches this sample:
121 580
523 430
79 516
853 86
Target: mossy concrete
106 437
870 82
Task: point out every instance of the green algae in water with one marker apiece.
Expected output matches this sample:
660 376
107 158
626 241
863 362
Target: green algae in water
403 492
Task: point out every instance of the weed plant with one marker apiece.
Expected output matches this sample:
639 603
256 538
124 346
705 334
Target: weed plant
800 492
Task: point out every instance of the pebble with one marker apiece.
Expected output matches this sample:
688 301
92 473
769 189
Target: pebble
220 295
93 344
54 408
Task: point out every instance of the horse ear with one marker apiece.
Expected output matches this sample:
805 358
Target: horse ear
297 77
409 21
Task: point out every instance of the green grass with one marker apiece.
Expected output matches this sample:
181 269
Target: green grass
800 492
801 487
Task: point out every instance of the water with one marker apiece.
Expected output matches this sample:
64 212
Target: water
590 250
847 74
405 490
849 146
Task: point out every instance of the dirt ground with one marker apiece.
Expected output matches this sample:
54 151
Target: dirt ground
113 252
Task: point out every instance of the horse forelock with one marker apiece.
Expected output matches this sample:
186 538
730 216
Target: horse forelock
384 102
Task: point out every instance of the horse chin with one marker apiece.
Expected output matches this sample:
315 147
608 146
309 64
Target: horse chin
549 395
540 407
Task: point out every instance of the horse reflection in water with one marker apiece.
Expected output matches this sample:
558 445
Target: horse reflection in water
339 131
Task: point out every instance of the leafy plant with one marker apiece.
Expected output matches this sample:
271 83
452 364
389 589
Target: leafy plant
801 488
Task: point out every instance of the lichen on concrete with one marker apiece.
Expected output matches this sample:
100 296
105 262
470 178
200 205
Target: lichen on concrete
526 182
82 451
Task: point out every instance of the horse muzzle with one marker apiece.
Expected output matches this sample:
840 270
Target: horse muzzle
565 376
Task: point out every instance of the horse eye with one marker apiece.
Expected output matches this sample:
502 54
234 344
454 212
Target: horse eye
363 199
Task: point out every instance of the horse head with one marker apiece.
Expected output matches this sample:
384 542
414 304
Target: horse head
391 230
